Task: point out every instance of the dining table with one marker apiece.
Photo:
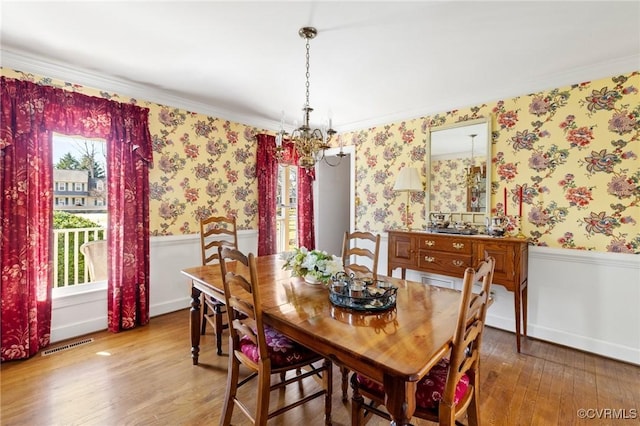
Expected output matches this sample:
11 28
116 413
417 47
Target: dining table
396 346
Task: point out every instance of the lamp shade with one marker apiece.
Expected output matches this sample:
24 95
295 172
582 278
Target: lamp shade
408 180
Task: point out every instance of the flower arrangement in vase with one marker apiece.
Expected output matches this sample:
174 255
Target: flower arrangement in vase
313 265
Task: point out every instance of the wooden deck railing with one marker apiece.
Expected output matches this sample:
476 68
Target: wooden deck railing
69 267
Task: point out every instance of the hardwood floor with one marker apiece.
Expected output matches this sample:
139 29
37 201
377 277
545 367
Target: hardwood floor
145 377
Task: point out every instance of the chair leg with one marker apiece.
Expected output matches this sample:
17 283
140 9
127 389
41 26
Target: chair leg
219 327
473 413
345 383
205 311
327 382
264 389
232 388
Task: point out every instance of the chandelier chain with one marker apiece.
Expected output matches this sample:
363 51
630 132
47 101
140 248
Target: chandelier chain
308 74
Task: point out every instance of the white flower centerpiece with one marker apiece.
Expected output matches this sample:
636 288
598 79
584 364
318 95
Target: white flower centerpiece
314 266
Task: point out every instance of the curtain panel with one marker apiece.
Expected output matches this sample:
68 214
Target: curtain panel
267 174
30 114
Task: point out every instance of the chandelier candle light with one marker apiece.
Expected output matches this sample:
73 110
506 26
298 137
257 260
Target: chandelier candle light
408 180
309 143
472 177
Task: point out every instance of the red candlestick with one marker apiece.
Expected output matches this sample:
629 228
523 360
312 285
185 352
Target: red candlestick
505 201
520 205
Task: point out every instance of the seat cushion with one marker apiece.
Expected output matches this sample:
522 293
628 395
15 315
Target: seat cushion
430 388
282 350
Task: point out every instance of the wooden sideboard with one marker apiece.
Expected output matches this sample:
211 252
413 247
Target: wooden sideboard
451 254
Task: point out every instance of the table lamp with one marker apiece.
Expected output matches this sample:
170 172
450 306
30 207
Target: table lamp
408 180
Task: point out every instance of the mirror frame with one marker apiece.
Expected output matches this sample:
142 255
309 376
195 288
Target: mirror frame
476 218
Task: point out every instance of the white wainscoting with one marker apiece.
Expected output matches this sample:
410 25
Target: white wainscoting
84 309
585 300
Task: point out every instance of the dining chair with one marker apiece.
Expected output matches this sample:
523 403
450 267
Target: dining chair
359 257
215 231
263 350
360 253
95 255
450 388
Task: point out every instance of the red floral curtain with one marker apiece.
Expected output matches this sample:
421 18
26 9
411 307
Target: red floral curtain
306 230
267 173
129 151
29 114
26 217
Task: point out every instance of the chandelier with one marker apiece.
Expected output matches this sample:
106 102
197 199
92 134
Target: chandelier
472 175
310 144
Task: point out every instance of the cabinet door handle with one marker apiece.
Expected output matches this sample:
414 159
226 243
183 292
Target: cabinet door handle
457 263
429 259
429 243
458 246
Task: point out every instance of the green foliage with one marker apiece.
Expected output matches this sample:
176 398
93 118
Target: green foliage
68 162
66 220
86 162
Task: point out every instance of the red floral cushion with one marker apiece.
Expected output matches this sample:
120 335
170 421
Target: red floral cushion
430 388
282 350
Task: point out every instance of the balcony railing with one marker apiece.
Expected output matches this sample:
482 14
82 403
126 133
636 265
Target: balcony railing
69 267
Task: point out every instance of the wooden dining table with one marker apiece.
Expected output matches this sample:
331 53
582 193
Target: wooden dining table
396 347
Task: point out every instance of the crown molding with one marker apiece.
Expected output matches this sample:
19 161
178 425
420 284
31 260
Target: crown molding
46 68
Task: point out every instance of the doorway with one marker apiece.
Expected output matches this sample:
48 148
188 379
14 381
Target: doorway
334 194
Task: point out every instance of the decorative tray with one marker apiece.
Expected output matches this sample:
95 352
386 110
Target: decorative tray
362 295
463 231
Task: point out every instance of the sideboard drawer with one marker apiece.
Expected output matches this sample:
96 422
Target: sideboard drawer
441 262
448 244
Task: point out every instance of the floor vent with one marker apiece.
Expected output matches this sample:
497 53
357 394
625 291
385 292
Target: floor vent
66 347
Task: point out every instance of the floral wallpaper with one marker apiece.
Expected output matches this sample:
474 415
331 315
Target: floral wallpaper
204 166
573 151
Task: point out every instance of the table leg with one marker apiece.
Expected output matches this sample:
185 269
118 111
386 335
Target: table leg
400 400
518 314
195 319
524 308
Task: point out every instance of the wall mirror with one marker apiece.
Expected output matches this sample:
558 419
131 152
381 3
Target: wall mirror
459 165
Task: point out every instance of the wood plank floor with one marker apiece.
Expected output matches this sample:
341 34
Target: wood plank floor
145 377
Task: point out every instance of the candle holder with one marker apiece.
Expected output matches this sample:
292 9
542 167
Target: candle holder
519 226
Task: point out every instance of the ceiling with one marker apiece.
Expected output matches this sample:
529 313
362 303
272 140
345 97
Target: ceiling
371 63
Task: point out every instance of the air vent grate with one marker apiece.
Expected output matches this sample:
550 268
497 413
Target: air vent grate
66 347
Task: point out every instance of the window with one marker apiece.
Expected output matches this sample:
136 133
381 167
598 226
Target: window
78 164
287 208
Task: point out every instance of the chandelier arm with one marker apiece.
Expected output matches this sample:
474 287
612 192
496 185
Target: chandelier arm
325 158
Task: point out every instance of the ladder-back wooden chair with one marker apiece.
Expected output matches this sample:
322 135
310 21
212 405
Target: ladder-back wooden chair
362 262
261 349
359 259
450 389
215 231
